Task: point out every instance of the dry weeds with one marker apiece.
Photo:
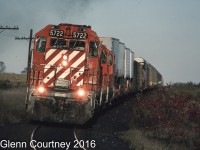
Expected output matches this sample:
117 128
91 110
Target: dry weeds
12 105
168 116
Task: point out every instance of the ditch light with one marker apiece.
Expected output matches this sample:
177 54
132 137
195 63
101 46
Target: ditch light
41 89
81 92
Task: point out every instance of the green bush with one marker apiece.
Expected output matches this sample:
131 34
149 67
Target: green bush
4 84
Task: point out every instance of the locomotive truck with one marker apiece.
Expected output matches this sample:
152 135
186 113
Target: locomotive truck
72 73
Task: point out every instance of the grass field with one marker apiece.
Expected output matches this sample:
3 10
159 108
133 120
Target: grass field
12 105
12 98
8 80
166 118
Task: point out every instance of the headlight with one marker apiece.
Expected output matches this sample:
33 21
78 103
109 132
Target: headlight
64 60
64 57
64 63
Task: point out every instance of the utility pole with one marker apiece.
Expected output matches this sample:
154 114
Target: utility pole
2 28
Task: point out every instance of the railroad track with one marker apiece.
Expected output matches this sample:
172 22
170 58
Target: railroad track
75 136
36 129
33 133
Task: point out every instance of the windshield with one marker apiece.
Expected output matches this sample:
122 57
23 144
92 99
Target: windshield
76 45
58 43
67 44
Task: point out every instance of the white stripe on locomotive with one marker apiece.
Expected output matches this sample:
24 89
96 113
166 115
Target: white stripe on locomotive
49 53
74 65
66 73
77 74
55 59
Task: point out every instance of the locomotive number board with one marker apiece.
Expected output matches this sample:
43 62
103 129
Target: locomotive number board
58 33
79 35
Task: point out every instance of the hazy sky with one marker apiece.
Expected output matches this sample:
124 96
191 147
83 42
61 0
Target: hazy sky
164 32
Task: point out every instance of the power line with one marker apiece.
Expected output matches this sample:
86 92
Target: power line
23 38
2 28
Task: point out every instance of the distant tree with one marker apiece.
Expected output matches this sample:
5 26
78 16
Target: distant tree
2 66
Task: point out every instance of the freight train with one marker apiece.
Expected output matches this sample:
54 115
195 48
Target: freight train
73 73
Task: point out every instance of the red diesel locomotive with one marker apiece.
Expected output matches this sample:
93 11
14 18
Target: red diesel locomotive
71 74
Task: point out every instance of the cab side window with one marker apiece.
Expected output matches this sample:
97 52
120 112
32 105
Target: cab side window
93 49
41 44
110 60
103 57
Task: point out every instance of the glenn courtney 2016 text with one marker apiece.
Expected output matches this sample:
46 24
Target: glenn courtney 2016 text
5 144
